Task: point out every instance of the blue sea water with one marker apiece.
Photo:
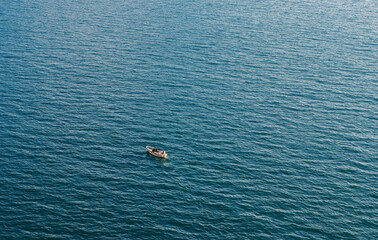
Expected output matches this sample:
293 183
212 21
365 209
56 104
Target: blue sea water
268 111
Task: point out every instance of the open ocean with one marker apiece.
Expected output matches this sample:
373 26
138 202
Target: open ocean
268 111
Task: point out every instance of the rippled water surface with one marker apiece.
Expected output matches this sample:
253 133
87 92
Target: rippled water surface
267 110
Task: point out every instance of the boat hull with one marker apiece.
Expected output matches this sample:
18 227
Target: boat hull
160 154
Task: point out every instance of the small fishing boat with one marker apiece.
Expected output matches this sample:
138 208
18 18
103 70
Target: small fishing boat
156 152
